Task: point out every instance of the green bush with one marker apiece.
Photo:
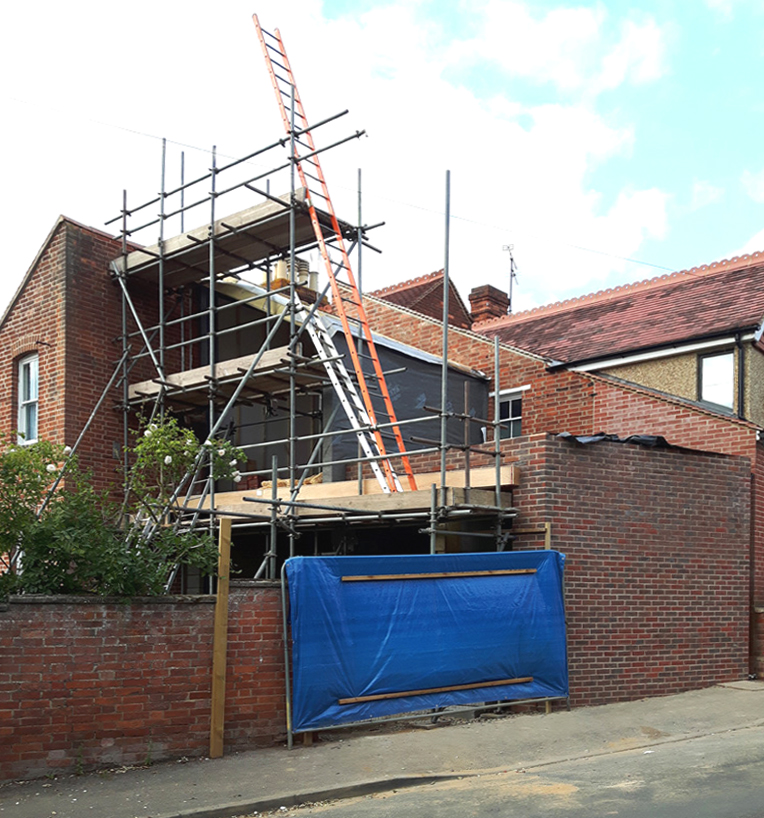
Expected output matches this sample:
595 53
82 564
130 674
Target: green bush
65 538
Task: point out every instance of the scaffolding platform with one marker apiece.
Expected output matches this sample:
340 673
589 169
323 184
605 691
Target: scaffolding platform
345 494
271 376
240 239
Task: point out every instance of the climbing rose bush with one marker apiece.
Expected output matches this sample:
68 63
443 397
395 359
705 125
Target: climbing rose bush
58 535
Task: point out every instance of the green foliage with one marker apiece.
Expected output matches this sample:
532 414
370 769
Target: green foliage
64 539
26 475
164 453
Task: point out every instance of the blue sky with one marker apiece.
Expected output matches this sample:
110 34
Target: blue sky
608 142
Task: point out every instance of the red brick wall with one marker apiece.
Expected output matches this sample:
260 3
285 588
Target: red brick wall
255 709
93 324
36 324
91 683
657 546
758 526
70 312
620 410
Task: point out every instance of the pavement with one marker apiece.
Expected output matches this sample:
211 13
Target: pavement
351 763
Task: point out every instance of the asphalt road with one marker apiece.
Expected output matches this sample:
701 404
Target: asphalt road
713 776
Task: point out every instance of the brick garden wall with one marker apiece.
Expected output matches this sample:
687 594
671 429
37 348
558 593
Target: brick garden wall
90 682
657 574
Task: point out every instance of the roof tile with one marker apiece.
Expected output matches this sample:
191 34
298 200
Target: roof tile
714 299
424 294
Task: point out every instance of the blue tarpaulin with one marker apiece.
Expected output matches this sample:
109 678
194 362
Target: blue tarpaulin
368 638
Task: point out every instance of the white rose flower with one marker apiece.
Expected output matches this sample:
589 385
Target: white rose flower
50 468
67 450
221 452
237 478
167 460
147 433
233 462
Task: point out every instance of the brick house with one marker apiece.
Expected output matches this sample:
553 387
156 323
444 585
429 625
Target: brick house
57 337
679 356
663 544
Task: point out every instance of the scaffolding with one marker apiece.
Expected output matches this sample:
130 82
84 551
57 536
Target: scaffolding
228 319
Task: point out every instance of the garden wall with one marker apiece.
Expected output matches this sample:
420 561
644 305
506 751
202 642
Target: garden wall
87 682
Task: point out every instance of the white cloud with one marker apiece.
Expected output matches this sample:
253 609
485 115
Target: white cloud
723 7
555 48
754 245
520 171
637 58
571 48
704 193
754 184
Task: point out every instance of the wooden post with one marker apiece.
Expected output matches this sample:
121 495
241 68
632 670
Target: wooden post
220 641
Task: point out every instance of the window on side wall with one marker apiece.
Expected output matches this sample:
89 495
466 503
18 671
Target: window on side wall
511 414
716 379
28 379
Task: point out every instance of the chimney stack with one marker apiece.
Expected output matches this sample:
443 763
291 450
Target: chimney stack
488 302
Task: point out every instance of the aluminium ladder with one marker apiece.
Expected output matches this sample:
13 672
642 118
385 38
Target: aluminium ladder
346 391
312 179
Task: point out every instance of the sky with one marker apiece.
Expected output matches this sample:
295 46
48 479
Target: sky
606 143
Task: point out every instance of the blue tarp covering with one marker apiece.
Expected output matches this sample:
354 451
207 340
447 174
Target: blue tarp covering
364 638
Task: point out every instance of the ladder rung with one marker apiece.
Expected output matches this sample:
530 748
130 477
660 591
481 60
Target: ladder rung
280 65
311 176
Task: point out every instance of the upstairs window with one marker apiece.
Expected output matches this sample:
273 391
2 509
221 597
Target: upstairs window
28 378
716 379
511 414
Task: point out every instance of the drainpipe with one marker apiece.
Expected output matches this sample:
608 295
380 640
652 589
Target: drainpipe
740 376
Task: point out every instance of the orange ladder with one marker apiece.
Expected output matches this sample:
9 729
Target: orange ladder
312 179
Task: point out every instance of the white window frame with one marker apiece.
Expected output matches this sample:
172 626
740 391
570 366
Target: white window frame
507 396
28 397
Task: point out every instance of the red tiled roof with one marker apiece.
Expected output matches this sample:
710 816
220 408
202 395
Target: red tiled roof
715 299
425 295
